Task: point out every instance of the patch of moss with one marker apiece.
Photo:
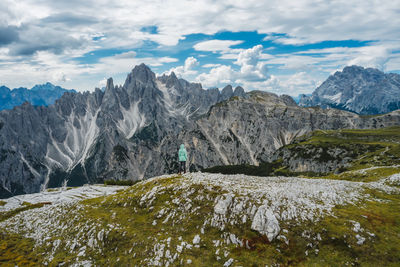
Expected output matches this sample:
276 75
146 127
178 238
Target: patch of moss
2 203
264 169
362 176
16 250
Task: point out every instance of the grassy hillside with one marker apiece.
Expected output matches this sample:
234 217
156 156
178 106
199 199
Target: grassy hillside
209 220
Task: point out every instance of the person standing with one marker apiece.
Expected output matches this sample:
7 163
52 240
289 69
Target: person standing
182 155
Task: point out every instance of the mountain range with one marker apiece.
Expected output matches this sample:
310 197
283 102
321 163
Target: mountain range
133 131
365 91
39 95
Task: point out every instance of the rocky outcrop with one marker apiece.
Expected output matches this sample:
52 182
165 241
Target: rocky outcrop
266 223
362 90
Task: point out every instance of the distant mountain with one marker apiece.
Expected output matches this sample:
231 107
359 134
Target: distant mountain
298 97
365 91
39 95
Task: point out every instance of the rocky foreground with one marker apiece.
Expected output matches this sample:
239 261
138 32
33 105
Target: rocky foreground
204 219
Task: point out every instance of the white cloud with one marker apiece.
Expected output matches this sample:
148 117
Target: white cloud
190 63
287 40
223 46
102 82
186 70
217 76
211 65
71 74
371 56
302 21
254 74
252 69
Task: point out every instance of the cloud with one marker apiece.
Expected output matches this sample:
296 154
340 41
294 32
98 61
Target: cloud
70 19
190 63
252 69
216 45
187 69
210 65
8 35
47 66
29 39
371 56
217 76
302 21
287 40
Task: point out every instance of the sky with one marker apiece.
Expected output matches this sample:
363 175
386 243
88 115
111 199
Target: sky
281 46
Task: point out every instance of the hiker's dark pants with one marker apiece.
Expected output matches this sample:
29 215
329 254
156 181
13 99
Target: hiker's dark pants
182 166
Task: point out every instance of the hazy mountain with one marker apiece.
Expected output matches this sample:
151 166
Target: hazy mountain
362 90
298 97
39 95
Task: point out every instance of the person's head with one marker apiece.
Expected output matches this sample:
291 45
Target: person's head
182 146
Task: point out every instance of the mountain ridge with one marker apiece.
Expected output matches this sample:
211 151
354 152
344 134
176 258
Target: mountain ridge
39 95
133 131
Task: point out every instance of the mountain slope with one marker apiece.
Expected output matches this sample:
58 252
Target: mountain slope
207 219
133 131
362 90
39 95
349 154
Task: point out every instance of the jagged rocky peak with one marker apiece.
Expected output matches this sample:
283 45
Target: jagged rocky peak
47 86
239 91
227 92
171 81
110 84
141 73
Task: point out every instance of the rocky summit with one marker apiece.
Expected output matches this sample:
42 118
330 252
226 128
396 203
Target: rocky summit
133 131
365 91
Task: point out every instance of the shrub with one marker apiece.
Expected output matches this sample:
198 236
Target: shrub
120 182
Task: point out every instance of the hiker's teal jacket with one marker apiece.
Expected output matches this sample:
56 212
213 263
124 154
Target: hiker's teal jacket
182 153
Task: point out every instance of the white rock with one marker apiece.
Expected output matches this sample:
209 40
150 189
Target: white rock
356 226
228 262
179 248
196 239
360 239
223 203
265 222
82 252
